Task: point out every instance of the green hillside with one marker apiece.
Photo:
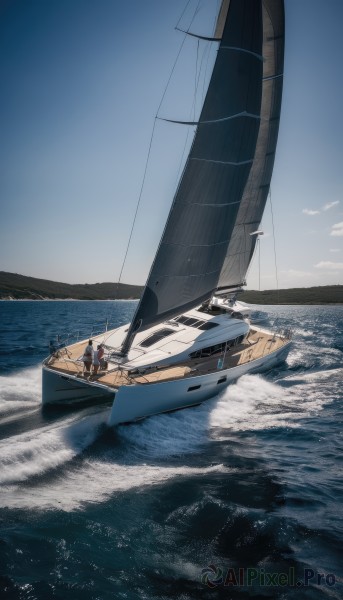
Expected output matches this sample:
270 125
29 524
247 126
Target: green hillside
328 294
20 287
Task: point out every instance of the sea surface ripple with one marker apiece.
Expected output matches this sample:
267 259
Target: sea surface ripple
249 484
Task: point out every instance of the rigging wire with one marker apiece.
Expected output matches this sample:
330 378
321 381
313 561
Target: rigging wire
275 261
196 81
138 203
179 21
198 71
152 136
192 113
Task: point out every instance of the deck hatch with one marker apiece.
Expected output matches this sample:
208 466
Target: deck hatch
198 323
156 337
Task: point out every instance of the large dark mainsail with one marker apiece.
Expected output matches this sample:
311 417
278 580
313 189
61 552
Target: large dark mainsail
242 244
210 218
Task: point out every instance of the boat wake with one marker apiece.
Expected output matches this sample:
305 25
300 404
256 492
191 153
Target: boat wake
254 403
20 391
77 460
39 451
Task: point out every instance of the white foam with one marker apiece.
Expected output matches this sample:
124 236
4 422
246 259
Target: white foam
173 434
39 451
317 375
254 404
139 460
96 481
20 390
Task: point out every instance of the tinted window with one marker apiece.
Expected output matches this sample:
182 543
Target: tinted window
191 322
208 325
156 337
217 348
181 319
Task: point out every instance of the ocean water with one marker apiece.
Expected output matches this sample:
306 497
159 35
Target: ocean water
238 498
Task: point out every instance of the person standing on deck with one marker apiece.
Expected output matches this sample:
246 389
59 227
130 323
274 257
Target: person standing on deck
101 353
98 354
88 357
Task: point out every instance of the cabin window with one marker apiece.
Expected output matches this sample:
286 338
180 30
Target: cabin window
156 337
199 323
217 348
210 351
221 380
194 387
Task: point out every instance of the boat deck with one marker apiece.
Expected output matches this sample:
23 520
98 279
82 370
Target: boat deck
259 344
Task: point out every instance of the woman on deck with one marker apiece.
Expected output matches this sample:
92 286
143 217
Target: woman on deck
88 357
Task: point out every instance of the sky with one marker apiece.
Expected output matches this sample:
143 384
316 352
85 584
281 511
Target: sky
82 81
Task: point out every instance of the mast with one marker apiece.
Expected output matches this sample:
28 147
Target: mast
221 19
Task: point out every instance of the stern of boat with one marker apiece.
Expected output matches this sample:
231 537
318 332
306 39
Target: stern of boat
59 388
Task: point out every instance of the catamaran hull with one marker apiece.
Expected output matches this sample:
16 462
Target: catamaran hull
136 402
61 389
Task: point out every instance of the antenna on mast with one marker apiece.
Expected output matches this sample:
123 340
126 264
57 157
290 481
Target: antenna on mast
258 233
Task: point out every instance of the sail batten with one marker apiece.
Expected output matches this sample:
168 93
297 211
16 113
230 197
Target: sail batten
199 37
235 48
221 162
202 245
242 114
228 168
272 77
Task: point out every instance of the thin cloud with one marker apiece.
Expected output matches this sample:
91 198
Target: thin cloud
327 264
337 229
329 205
296 273
335 250
308 211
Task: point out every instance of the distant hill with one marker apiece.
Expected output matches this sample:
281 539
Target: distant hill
326 294
20 287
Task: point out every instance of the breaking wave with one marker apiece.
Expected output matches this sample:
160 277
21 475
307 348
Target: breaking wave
20 391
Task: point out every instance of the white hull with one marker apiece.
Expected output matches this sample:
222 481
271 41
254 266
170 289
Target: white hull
58 388
136 402
177 364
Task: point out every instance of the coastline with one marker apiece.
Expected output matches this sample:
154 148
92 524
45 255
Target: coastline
69 299
257 304
14 286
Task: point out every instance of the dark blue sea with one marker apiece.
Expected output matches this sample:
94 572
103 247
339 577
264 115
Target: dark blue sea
240 498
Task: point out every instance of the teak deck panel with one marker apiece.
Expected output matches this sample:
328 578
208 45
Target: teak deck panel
259 343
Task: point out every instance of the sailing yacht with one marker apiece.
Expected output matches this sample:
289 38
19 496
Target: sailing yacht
190 336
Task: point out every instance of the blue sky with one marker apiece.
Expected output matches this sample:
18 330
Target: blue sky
81 84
